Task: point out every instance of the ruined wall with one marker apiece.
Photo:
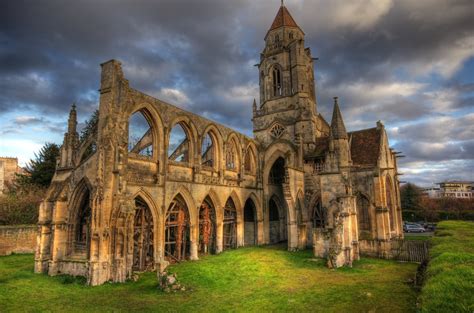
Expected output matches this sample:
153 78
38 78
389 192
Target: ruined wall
17 239
8 168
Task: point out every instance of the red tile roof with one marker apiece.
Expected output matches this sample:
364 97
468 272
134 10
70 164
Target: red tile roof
283 18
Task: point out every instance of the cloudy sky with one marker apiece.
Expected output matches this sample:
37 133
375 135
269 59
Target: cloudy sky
407 63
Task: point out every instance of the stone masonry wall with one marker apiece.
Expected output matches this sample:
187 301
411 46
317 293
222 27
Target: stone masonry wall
17 239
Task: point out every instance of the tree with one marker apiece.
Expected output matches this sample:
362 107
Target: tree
410 197
411 201
40 171
90 127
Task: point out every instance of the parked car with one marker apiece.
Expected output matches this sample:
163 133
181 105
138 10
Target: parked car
414 228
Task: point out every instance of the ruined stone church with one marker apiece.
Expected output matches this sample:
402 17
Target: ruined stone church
183 186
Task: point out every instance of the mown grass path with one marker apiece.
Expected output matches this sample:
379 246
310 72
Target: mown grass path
259 279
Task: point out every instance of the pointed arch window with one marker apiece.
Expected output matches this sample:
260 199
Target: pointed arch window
140 135
277 82
250 162
363 217
178 150
231 156
208 150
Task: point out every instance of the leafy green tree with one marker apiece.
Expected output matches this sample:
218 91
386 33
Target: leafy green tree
40 171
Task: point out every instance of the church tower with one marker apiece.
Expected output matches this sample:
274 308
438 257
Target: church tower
287 90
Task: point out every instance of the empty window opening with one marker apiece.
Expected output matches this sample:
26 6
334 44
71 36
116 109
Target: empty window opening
140 135
249 164
277 86
178 149
231 156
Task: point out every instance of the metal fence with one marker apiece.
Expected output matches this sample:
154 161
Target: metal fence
410 250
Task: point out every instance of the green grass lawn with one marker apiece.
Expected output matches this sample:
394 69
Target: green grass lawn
246 279
449 286
417 237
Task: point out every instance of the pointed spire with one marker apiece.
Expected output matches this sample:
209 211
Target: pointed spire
338 130
72 121
254 105
283 18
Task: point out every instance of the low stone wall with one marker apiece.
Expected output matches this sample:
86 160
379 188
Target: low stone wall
17 239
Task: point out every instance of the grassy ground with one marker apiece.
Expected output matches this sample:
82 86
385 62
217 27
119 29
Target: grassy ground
449 286
420 237
247 279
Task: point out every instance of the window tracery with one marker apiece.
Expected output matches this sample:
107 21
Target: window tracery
277 130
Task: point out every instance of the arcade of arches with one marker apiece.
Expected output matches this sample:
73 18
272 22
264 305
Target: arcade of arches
156 184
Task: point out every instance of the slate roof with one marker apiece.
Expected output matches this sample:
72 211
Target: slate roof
321 147
365 146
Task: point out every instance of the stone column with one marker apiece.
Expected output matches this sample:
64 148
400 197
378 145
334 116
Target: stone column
219 236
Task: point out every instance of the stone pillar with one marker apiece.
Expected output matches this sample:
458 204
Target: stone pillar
292 228
240 230
219 236
43 241
260 232
43 249
302 236
194 242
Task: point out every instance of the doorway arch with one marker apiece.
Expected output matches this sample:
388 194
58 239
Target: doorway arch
250 223
177 231
207 227
143 243
230 225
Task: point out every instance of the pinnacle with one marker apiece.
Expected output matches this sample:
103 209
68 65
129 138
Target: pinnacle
338 130
283 18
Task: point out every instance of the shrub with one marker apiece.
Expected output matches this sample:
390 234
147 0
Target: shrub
20 207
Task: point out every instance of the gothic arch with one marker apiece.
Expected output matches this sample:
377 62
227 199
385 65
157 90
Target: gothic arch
237 203
250 159
178 230
155 123
233 140
250 222
302 215
207 227
144 236
216 138
191 133
189 201
363 206
231 224
80 219
275 151
148 199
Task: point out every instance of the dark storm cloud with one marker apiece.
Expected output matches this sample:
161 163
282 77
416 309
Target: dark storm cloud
379 57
